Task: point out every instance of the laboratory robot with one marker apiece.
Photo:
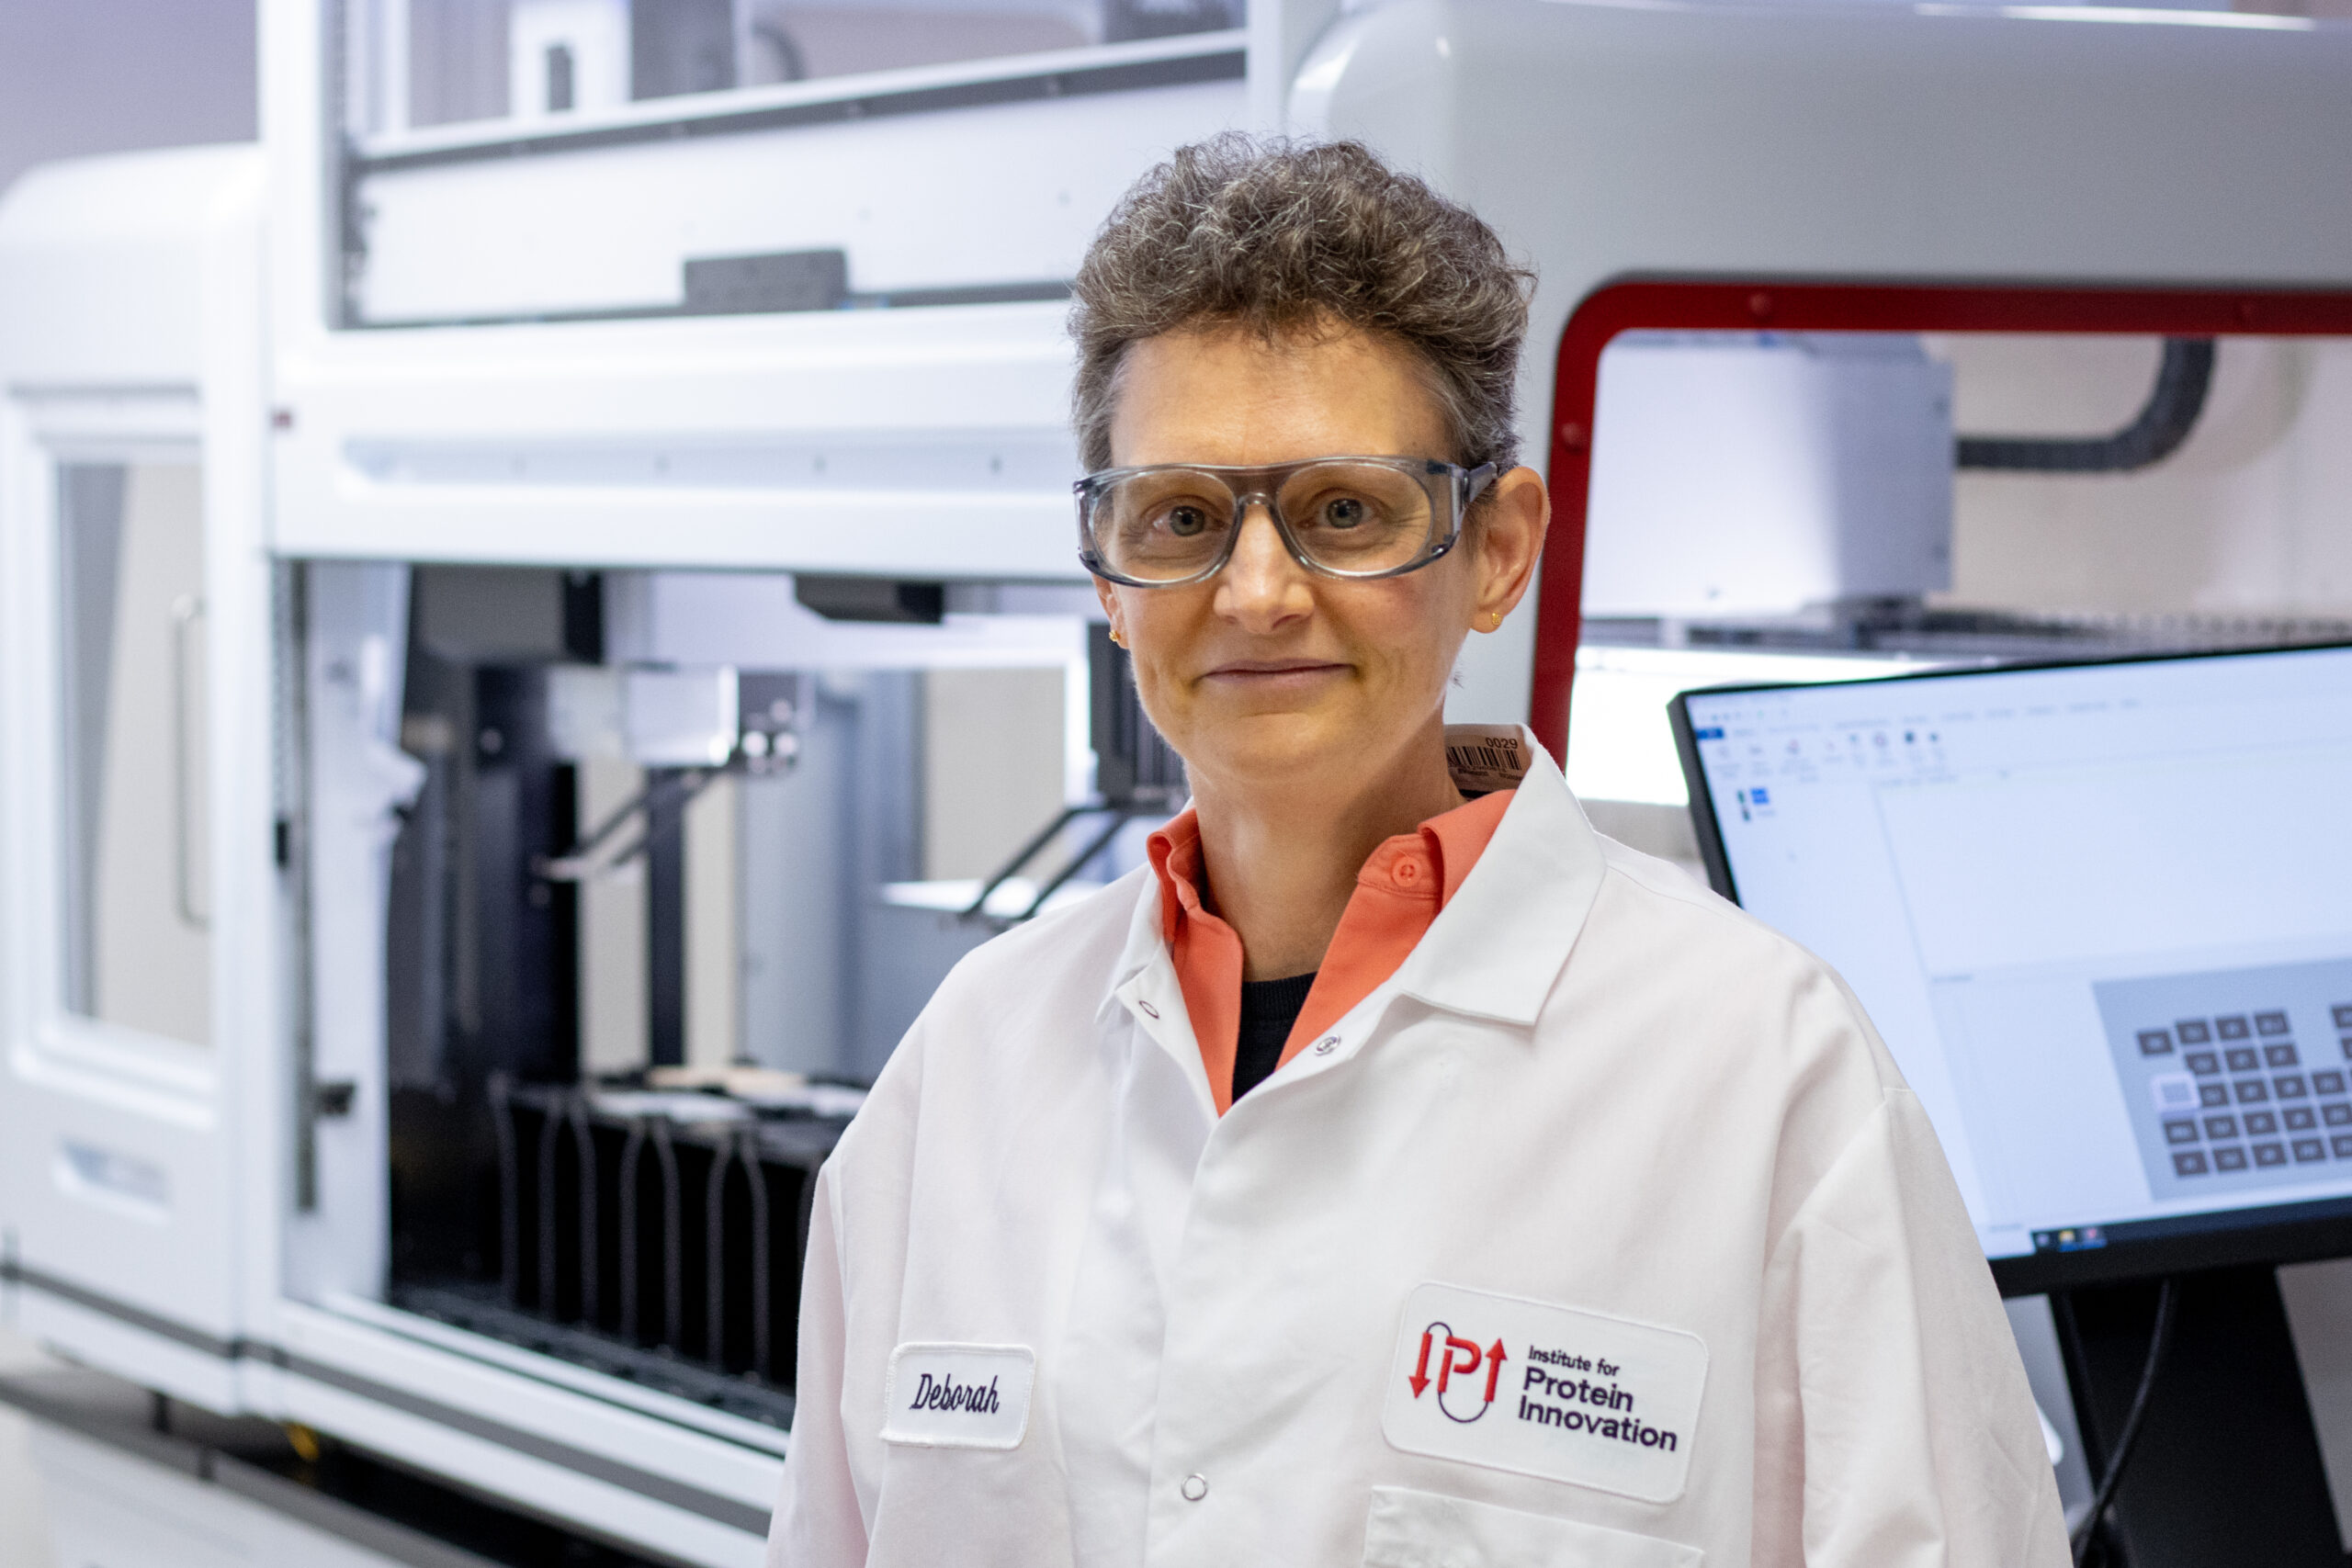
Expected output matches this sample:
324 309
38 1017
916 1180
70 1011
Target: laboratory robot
540 614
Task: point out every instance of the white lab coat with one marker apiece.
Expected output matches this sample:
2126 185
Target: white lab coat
1593 1085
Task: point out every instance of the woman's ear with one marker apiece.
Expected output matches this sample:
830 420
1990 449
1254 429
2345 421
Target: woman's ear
1110 598
1507 542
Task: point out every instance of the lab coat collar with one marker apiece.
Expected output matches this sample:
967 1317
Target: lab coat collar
1146 941
1144 986
1493 952
1499 944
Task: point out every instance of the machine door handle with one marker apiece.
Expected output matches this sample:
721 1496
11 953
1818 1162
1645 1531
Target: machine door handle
187 609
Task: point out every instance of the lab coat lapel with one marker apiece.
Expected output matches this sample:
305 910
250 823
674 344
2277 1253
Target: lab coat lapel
1143 987
1497 947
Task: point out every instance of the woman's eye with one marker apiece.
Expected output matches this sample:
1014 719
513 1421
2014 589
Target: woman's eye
1343 512
1186 521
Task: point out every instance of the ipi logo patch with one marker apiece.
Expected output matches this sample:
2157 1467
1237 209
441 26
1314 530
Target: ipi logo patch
1543 1390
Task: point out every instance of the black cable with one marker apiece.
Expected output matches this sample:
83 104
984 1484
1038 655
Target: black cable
2105 1496
2184 377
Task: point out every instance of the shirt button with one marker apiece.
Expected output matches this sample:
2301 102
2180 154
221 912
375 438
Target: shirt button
1195 1487
1406 872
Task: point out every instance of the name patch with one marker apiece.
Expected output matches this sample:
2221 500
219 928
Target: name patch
1548 1391
958 1396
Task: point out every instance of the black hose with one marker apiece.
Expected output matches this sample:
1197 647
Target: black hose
2184 377
2105 1496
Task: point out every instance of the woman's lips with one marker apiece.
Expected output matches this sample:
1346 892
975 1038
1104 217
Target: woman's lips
1273 674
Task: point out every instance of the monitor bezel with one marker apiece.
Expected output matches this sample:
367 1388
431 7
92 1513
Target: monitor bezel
2293 1233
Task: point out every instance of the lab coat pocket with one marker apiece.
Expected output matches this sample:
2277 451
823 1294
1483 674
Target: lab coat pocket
1422 1529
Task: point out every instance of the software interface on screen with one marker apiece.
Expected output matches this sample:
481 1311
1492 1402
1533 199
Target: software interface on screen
2102 915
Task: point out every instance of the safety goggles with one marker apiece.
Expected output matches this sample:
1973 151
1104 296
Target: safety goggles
1169 524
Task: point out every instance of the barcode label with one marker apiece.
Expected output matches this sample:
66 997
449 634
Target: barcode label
1485 758
1480 756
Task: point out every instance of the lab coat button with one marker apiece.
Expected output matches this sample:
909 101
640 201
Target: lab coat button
1195 1487
1148 1009
1326 1045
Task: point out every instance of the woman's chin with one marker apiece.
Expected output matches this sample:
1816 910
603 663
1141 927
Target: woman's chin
1281 753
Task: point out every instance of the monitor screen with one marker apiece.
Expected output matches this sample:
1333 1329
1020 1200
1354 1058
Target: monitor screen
2102 915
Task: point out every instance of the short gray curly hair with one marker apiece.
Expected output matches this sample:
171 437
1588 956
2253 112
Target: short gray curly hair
1275 236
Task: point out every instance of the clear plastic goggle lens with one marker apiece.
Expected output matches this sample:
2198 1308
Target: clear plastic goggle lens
1353 517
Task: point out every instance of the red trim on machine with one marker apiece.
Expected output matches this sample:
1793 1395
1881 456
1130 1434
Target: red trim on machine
1693 305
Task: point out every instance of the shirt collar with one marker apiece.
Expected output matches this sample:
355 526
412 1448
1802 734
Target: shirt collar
1451 842
1175 852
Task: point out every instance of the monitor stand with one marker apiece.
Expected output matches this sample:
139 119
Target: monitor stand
2227 1469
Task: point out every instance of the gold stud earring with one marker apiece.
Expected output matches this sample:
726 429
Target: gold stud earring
1117 637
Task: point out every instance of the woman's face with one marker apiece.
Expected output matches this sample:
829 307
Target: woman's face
1268 676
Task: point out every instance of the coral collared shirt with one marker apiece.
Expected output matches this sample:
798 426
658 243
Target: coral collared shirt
1398 893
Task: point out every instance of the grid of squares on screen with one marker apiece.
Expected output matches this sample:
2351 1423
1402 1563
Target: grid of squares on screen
2260 1104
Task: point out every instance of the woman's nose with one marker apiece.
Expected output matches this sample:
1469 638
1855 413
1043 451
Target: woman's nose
1262 586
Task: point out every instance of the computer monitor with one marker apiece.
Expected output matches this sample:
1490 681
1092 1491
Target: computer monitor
2102 914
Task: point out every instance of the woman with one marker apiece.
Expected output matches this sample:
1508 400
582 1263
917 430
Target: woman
1394 1171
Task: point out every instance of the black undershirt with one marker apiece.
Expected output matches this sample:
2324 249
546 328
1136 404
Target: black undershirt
1269 1008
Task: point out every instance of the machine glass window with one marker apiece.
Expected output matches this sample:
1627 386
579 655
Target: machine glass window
439 63
575 160
659 868
1781 506
134 883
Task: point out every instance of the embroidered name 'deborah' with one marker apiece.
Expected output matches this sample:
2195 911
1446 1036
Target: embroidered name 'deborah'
938 1395
944 1393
